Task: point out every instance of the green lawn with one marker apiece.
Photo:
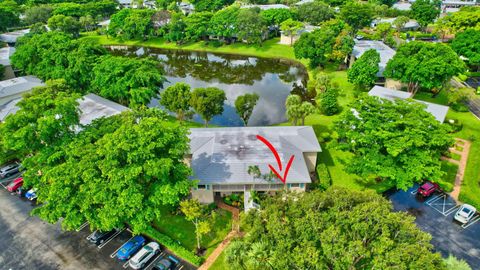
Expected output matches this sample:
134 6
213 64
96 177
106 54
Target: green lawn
219 264
450 170
178 228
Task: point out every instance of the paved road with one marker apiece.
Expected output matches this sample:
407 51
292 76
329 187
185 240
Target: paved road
448 236
26 242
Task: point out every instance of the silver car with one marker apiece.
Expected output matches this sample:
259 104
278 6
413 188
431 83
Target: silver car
144 255
465 213
9 170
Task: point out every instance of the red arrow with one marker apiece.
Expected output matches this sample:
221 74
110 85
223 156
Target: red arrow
279 162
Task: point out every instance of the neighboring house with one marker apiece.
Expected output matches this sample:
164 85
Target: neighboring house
449 6
11 37
220 158
402 6
133 4
438 111
14 88
410 25
5 54
91 107
266 7
288 40
304 2
186 8
386 53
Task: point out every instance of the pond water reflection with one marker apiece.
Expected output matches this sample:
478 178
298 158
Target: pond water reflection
272 79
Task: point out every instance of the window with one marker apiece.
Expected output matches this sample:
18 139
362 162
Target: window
293 185
302 185
203 187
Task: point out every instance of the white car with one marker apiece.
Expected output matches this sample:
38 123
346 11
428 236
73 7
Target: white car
465 213
144 255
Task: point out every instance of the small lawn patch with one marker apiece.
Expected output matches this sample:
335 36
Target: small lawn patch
182 230
450 170
455 156
219 263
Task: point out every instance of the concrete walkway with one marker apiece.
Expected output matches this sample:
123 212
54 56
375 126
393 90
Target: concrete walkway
462 164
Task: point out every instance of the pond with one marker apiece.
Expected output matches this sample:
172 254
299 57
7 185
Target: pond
272 79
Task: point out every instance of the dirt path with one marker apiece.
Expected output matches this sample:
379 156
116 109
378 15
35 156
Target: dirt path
232 234
462 164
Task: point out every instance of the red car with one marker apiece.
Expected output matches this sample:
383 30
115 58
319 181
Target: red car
427 189
15 184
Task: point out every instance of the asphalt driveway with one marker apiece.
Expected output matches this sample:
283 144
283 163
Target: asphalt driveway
435 216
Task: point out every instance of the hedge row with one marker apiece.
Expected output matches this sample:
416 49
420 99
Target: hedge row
174 247
324 179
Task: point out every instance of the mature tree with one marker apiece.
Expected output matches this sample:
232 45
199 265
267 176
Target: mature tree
363 72
383 29
45 118
210 5
130 81
296 109
208 102
328 102
290 28
357 15
315 12
467 17
119 170
197 25
176 98
397 142
54 55
423 64
38 14
66 24
400 22
337 229
176 28
387 3
329 43
87 22
425 11
199 216
275 16
223 23
456 264
8 17
244 105
467 44
250 26
131 23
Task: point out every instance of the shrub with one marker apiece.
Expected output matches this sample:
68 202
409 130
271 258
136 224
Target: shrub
328 102
459 107
324 179
455 125
445 186
173 246
462 77
326 136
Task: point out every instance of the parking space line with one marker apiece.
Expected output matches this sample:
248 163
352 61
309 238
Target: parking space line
477 218
434 199
414 192
110 239
181 267
451 210
115 252
82 226
154 259
88 237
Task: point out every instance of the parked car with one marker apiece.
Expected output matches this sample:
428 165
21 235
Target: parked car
166 263
15 184
129 248
31 194
98 237
427 189
465 213
9 170
144 255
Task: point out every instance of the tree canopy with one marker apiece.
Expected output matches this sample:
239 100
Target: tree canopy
208 102
66 24
466 17
131 23
250 26
275 16
364 71
296 109
315 13
336 229
129 81
425 11
331 42
397 142
356 14
467 44
423 64
176 98
244 106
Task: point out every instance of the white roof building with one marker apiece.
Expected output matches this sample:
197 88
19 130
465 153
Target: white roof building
11 37
14 88
386 53
438 111
5 54
412 24
266 7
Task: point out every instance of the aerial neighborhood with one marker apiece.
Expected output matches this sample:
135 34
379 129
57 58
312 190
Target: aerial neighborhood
247 134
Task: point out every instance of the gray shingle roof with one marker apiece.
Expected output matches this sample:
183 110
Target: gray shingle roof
94 107
386 53
438 111
18 85
11 37
223 155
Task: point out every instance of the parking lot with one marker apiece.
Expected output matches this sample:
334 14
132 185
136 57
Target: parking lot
435 216
26 242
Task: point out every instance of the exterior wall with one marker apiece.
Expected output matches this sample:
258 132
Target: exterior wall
310 160
203 195
286 40
393 84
